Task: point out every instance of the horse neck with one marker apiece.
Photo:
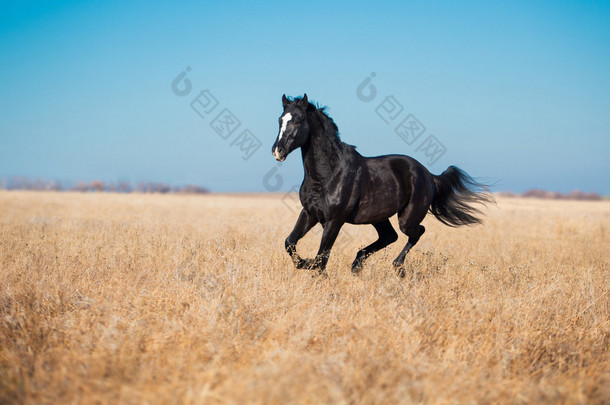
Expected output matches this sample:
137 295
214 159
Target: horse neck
322 153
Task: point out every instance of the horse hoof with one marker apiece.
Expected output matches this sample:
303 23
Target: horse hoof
356 267
305 264
399 269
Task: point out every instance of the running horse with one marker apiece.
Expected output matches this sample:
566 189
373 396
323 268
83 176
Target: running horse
342 186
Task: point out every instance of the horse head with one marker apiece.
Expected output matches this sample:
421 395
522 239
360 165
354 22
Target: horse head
294 128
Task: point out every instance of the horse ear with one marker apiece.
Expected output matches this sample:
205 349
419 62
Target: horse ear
303 102
285 101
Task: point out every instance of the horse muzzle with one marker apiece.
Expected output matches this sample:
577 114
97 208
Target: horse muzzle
279 154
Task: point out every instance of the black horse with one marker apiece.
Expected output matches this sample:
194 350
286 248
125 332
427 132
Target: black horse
340 186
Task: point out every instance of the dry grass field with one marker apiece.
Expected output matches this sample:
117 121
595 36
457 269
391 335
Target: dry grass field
109 298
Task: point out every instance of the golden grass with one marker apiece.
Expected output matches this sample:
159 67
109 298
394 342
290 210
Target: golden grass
192 299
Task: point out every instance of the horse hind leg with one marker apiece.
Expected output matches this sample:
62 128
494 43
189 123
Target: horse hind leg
409 220
413 238
387 235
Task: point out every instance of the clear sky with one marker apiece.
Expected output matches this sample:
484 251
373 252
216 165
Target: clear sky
517 93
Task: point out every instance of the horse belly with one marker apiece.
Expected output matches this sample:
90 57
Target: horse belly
378 205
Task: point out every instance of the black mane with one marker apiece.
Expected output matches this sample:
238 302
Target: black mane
328 124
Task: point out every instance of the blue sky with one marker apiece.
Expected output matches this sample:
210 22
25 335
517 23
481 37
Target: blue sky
516 93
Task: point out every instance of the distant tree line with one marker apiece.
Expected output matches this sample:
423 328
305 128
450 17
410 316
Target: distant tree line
554 195
24 183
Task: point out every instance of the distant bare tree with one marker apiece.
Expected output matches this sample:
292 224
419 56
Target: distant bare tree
81 186
192 189
141 187
161 188
124 187
97 185
53 186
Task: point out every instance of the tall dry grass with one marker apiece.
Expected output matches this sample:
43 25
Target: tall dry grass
192 299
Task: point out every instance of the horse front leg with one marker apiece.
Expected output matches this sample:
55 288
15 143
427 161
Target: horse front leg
331 231
303 225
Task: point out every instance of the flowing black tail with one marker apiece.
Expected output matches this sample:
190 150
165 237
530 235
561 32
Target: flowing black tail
456 191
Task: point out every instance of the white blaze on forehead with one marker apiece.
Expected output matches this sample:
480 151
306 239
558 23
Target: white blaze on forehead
287 117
